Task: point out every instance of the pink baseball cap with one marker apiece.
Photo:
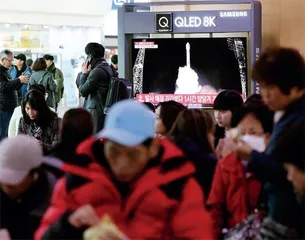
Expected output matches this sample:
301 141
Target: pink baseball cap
18 156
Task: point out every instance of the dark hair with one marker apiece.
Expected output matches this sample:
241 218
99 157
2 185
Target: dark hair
147 142
29 62
96 50
193 124
150 106
259 111
254 98
48 57
282 67
38 87
77 125
7 52
39 64
228 100
114 59
36 100
169 112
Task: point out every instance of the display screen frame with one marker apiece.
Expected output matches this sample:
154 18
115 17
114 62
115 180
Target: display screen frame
244 36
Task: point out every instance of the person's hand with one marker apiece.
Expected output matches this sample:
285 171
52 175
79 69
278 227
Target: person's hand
24 78
4 234
243 150
296 177
228 146
225 147
86 68
84 216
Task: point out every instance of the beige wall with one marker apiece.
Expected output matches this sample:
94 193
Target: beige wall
283 22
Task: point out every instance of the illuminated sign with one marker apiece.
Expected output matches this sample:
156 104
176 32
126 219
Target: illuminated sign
233 14
118 3
164 22
213 21
193 21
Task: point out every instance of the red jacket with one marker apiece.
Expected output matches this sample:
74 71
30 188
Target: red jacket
155 209
234 194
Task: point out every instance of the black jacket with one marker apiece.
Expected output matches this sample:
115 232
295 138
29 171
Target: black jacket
220 133
283 205
8 91
94 87
21 217
204 162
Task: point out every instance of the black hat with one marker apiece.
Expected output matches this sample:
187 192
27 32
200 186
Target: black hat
96 50
48 57
228 100
21 56
114 59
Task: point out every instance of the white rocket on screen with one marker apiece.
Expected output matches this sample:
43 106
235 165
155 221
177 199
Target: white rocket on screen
188 54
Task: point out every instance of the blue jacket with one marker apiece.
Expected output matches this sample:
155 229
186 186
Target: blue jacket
282 204
14 74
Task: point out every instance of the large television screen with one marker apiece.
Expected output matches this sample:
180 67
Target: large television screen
189 65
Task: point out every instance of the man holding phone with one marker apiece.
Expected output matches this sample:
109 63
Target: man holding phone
20 68
94 83
8 91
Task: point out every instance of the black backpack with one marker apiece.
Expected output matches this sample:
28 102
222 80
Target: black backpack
119 89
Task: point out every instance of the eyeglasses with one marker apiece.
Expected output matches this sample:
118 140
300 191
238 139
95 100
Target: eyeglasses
8 60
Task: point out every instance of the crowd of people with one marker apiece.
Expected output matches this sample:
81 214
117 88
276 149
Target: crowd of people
153 172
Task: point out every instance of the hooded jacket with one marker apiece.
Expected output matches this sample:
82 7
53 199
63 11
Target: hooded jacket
15 73
165 202
46 79
59 79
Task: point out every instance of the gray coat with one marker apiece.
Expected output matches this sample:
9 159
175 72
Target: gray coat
46 78
94 87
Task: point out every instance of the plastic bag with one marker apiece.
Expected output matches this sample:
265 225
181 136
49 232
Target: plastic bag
106 224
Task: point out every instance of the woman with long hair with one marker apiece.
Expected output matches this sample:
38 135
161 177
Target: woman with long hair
193 132
166 115
77 126
39 121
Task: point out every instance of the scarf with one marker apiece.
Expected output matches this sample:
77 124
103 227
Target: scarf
96 61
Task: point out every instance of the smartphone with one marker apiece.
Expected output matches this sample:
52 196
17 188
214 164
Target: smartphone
27 74
89 59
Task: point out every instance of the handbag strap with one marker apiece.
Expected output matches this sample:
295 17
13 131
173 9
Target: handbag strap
41 79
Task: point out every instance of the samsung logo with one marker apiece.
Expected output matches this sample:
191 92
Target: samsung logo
234 14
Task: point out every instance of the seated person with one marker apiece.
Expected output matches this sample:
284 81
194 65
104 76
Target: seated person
39 121
25 188
235 192
17 114
146 185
